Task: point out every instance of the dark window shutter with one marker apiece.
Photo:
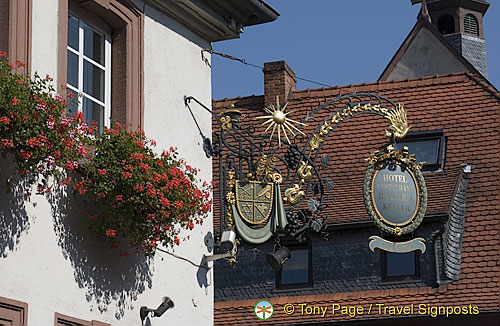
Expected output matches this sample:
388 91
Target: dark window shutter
471 25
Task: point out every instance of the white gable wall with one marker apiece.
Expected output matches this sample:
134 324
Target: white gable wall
425 56
53 263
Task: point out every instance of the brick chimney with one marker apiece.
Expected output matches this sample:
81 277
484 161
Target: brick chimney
279 79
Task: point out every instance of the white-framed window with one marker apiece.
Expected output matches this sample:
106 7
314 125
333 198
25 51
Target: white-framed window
89 70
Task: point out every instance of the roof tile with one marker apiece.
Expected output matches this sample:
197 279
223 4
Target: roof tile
467 108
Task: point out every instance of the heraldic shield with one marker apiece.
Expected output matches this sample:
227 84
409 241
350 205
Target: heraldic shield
254 201
258 210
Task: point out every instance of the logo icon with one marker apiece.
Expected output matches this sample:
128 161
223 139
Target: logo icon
263 310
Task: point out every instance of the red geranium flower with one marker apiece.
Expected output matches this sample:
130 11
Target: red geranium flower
110 233
6 142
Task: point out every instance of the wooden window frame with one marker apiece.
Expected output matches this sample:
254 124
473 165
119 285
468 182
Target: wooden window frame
15 308
127 65
15 18
65 320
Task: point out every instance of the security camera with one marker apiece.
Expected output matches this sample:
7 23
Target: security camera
164 306
227 240
228 245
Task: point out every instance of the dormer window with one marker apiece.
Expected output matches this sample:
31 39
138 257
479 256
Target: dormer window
428 147
446 25
296 273
470 24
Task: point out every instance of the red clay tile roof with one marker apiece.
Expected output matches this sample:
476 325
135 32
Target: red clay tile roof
441 102
241 312
467 108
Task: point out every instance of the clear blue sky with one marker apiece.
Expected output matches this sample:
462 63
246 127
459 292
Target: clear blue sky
330 41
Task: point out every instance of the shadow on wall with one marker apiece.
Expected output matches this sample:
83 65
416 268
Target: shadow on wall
201 274
14 221
111 281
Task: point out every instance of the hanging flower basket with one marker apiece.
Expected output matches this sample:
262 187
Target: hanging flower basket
141 197
144 197
35 130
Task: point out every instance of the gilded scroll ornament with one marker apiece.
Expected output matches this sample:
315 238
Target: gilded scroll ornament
304 172
349 111
276 178
230 219
230 176
230 116
325 129
293 195
230 197
315 142
226 122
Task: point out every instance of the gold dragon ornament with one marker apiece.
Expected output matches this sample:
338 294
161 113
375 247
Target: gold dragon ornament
397 122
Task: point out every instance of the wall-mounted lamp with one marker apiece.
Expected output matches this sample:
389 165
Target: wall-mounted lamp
277 258
166 304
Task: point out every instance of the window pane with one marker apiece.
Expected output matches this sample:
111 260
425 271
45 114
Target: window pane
296 269
424 150
72 107
73 32
400 264
72 74
93 112
93 80
93 45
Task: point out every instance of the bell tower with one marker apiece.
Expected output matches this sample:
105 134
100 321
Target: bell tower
461 24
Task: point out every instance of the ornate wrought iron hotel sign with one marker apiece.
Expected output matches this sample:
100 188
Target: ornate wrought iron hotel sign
256 162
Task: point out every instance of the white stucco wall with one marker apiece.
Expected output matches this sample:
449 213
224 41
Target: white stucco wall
173 69
49 258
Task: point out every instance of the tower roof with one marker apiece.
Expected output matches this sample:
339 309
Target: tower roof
477 5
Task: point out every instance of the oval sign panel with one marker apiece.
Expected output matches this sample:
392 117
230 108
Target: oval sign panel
394 191
394 195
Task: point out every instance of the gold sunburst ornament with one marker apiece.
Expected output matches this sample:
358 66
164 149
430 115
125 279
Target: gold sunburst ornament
278 119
